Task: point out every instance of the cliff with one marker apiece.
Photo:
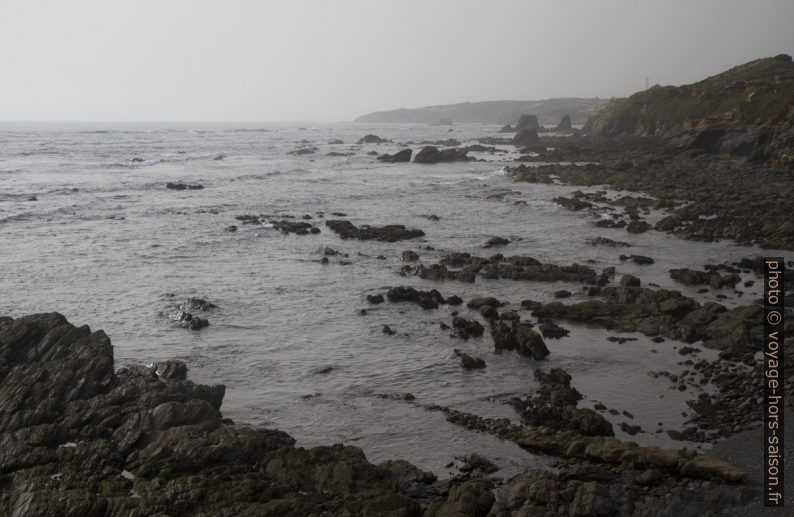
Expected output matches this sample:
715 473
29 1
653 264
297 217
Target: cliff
755 99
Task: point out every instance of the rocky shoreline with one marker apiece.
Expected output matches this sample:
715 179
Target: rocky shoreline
80 438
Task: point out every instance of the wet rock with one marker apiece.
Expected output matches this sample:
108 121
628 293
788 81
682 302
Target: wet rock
659 312
467 328
230 229
562 294
372 139
388 330
196 304
573 204
410 256
431 154
518 336
476 303
375 299
712 278
555 406
630 281
336 141
171 369
603 241
425 299
551 330
403 155
130 444
496 241
637 226
187 320
183 186
476 463
526 137
637 259
297 227
469 362
389 233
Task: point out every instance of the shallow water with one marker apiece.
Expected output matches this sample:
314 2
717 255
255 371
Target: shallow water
107 245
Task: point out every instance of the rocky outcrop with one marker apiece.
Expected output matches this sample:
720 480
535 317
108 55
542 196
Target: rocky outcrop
660 312
183 186
78 438
388 233
372 139
527 122
565 124
518 336
403 155
736 111
526 137
465 267
431 154
555 406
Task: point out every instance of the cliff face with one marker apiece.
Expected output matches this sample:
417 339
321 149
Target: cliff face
758 94
549 112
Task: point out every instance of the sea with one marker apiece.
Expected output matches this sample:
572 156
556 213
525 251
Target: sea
89 229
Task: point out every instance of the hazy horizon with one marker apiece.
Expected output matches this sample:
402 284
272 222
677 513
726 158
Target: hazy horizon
248 61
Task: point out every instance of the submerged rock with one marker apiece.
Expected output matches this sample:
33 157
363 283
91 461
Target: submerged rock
183 186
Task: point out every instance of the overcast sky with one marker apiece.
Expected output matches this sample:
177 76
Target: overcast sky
334 60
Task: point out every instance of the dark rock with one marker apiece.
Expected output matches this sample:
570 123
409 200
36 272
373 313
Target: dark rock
400 156
637 259
565 124
388 330
527 122
551 330
375 298
630 281
573 204
172 370
518 336
467 328
425 299
469 362
90 441
526 137
562 294
183 186
187 320
496 241
196 304
372 139
431 154
389 233
410 256
637 226
555 406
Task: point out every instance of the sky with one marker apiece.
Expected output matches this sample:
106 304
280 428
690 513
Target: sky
302 60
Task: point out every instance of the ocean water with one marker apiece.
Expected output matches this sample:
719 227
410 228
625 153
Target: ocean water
106 244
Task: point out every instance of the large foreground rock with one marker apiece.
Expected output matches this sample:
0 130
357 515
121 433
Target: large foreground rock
77 438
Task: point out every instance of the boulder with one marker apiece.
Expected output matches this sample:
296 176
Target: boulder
403 155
